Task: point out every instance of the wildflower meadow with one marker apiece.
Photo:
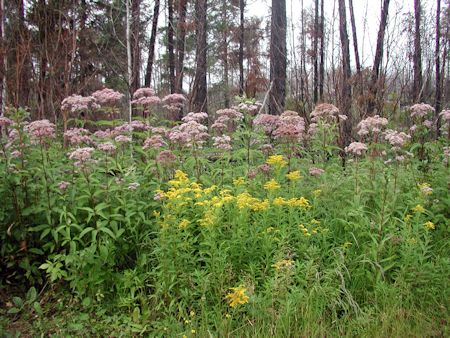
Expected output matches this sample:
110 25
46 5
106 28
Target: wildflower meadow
230 224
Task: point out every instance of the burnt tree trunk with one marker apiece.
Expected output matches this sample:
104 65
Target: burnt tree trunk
241 47
199 95
355 39
322 51
181 40
151 47
417 58
278 57
346 89
438 98
316 52
136 52
225 53
373 86
2 58
170 47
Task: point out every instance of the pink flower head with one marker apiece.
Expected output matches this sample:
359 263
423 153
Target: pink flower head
174 102
222 142
325 112
154 142
107 97
139 125
63 185
77 136
166 157
316 171
189 133
133 186
143 92
159 131
356 148
77 104
5 122
230 113
123 139
421 110
81 154
264 168
103 134
269 123
291 127
107 147
395 138
41 129
372 124
197 117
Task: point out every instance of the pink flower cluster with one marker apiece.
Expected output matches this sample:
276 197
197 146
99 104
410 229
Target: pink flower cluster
174 102
371 125
222 142
189 133
154 142
269 123
77 136
291 127
5 122
166 157
421 110
324 112
81 154
248 108
145 97
77 103
197 117
396 138
226 119
107 97
316 171
356 148
445 119
122 139
41 129
107 147
103 134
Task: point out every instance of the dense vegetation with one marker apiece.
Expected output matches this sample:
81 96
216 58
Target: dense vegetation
233 224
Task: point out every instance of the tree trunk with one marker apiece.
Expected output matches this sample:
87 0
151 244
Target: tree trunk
346 89
151 47
181 39
373 87
241 47
136 51
322 51
355 40
170 46
2 59
129 56
316 51
278 57
417 61
225 53
437 104
199 95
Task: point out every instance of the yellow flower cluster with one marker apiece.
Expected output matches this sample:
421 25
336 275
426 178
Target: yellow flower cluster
292 202
237 296
418 209
430 225
425 188
276 161
294 176
247 201
272 185
238 181
305 230
284 263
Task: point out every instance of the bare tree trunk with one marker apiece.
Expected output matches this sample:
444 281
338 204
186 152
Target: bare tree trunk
322 51
373 87
181 39
241 47
316 51
2 59
437 104
151 48
417 61
278 57
199 98
129 61
136 51
355 40
170 46
346 90
225 53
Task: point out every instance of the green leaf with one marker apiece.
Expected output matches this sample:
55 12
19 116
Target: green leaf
85 231
87 302
108 231
17 301
31 294
14 310
37 307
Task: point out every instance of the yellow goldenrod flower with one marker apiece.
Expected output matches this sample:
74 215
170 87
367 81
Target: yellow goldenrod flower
314 221
238 181
276 161
279 201
271 185
260 205
210 189
407 217
193 331
418 209
227 316
192 313
183 224
430 225
317 192
294 176
208 219
298 202
284 263
237 296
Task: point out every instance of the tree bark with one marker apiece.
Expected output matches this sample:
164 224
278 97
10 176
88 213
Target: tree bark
417 60
438 97
151 47
355 39
346 89
278 57
2 59
316 51
373 87
136 51
199 97
170 47
181 40
322 51
225 53
241 47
